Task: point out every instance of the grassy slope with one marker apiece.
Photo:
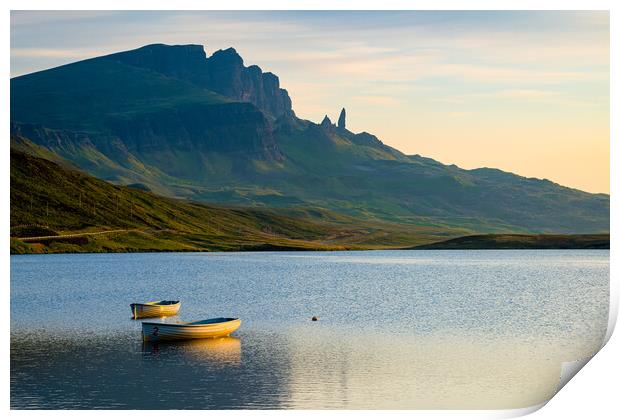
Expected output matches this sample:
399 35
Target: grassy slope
65 201
413 189
513 241
133 125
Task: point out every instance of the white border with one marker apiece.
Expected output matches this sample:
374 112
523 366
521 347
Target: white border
594 393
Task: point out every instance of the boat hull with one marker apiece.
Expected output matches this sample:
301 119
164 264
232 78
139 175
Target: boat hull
154 310
156 331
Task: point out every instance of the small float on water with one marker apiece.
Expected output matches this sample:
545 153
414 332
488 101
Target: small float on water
159 308
208 328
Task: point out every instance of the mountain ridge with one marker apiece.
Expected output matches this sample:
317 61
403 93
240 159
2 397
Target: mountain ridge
223 72
156 123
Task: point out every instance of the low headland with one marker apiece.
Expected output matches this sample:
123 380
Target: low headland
522 241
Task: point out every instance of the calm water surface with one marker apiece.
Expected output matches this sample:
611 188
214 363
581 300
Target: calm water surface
397 329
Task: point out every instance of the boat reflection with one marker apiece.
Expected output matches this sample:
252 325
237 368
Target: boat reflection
223 350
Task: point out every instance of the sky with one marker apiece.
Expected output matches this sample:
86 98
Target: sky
523 91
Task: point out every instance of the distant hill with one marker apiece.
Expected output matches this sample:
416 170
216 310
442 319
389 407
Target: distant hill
63 208
181 124
507 241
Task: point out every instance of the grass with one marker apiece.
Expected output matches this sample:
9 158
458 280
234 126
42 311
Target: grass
49 199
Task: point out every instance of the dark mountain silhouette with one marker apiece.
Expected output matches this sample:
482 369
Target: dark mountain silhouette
223 73
208 128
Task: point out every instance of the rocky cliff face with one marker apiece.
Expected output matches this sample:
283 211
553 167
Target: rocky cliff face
47 137
227 75
142 111
234 128
223 72
196 135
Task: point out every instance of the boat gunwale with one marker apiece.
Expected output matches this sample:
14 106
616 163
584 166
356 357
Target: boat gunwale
176 302
191 324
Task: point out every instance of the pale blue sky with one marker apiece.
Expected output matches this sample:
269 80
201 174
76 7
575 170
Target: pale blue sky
524 91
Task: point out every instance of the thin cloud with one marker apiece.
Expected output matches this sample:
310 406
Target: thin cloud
389 101
40 17
525 94
460 113
34 53
515 75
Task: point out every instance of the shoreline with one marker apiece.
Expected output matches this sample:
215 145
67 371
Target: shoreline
469 242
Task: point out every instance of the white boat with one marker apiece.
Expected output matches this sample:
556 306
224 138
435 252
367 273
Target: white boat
159 308
208 328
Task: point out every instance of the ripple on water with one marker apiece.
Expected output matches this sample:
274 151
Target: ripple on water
397 329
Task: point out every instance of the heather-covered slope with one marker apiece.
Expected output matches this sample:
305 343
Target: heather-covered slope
48 199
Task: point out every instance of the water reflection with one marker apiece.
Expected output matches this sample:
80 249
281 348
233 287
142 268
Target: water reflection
397 329
301 368
426 372
223 351
121 372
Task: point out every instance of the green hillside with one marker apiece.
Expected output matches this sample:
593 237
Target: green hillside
48 199
151 117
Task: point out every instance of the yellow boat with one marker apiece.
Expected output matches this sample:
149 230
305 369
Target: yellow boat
208 328
155 309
